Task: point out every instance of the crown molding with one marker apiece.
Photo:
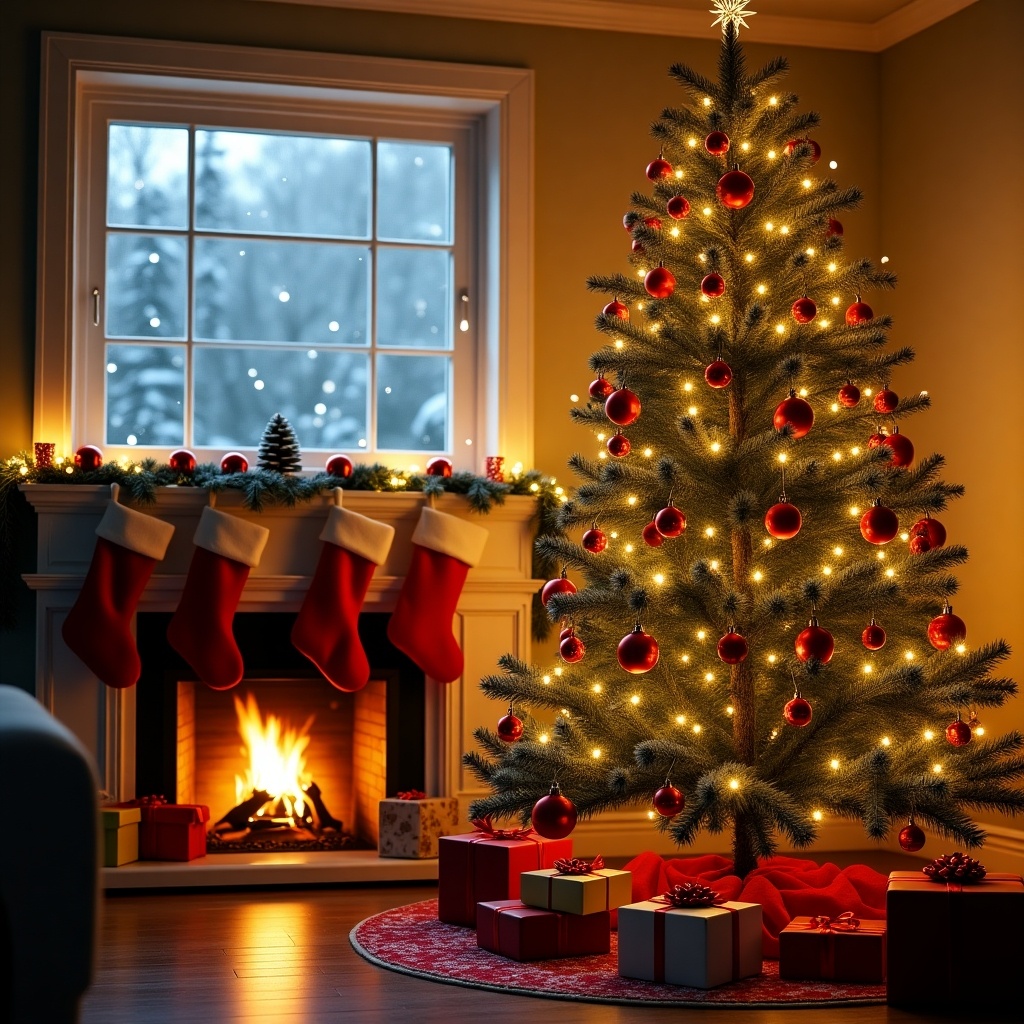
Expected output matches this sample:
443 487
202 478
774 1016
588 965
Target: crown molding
655 19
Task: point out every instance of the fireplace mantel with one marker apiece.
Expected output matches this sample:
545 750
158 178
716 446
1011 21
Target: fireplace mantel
492 618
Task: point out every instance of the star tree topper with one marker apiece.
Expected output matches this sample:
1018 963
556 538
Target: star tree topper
731 12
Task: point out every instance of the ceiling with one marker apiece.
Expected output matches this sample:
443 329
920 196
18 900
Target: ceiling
866 25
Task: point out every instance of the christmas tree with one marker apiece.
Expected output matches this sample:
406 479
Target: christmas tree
762 640
279 447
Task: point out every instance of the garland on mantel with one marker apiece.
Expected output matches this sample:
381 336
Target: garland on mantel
262 487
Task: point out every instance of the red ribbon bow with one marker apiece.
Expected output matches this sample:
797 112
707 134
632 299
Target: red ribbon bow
411 794
490 832
579 866
845 922
691 894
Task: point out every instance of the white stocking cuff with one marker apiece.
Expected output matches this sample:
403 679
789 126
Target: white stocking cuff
450 536
146 535
359 534
231 537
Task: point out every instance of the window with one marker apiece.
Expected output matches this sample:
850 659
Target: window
250 240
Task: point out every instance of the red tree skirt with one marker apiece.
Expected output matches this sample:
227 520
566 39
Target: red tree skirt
412 941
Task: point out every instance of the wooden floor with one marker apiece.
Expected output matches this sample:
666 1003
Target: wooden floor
283 957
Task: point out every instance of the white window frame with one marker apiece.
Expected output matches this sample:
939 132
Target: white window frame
76 69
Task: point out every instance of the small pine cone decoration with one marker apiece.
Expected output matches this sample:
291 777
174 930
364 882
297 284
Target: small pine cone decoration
279 447
693 894
955 867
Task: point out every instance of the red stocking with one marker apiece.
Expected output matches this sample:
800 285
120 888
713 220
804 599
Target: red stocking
99 626
200 630
444 550
327 627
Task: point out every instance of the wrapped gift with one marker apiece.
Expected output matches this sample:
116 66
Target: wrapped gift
510 928
486 865
120 835
690 936
173 831
576 887
955 942
840 948
411 824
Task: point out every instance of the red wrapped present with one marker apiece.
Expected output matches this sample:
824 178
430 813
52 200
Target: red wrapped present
485 865
840 948
173 831
955 944
519 932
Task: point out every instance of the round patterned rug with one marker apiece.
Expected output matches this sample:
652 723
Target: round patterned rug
411 940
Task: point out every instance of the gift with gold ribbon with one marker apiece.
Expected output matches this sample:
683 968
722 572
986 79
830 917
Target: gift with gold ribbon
839 947
518 932
576 886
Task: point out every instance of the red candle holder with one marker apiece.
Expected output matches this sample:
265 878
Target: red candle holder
44 453
495 468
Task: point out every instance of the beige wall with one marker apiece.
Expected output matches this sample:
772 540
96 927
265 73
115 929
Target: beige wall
952 137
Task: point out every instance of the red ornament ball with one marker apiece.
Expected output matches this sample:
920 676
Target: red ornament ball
559 585
88 457
636 245
886 401
439 467
946 629
669 801
795 413
815 642
797 712
660 282
919 544
658 169
678 208
879 525
815 153
654 223
234 462
901 448
638 651
510 728
340 465
602 387
930 528
670 522
553 816
717 143
804 310
958 732
568 631
783 520
652 536
732 648
622 407
835 227
735 189
712 286
876 439
873 637
572 649
911 838
628 220
859 313
849 395
618 445
616 309
595 541
718 374
182 461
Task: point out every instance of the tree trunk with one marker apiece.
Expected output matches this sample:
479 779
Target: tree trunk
743 856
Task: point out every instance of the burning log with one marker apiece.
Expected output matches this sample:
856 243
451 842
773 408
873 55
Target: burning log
323 816
238 817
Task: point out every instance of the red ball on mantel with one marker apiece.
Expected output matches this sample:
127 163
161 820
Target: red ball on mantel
796 413
678 207
873 637
804 310
559 585
616 309
182 461
901 447
879 524
658 169
815 642
783 520
601 387
340 466
571 649
638 651
835 227
439 467
797 712
712 286
735 189
859 313
886 401
718 374
660 282
622 407
88 458
510 728
717 143
946 629
652 535
911 838
849 395
930 528
618 445
669 801
594 541
234 462
732 648
553 816
670 522
958 732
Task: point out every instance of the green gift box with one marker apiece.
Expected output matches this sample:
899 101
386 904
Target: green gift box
588 892
120 835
